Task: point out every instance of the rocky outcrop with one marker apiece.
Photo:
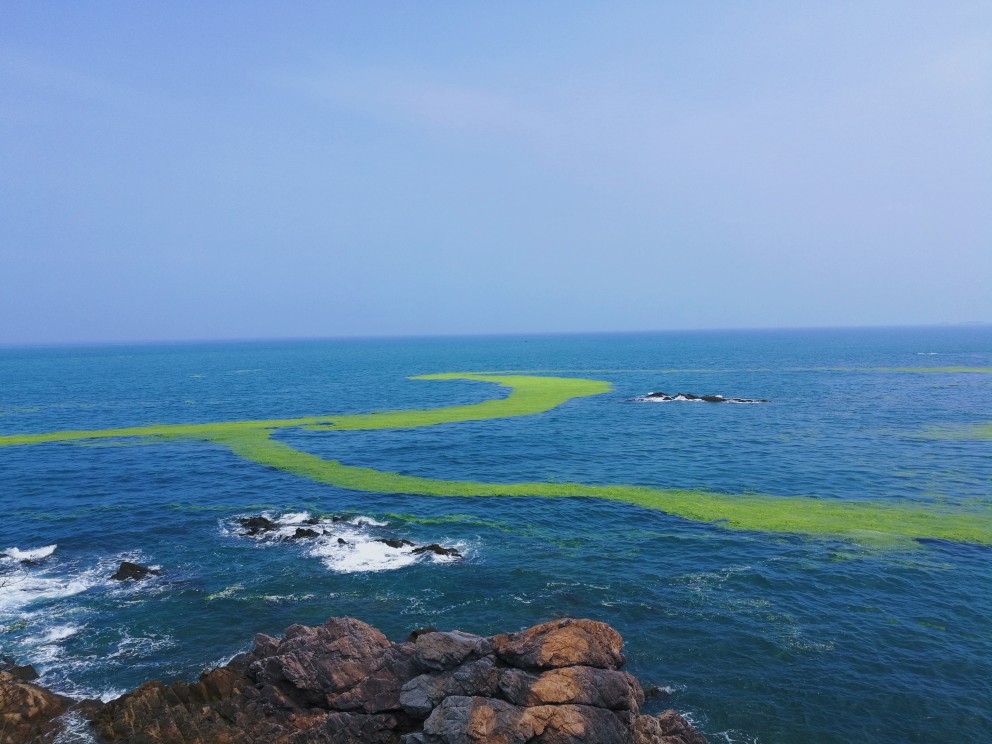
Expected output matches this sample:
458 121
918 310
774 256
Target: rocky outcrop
345 682
28 713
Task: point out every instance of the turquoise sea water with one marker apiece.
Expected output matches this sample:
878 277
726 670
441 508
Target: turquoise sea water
760 637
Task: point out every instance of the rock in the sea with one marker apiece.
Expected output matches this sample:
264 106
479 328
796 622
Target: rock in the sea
659 397
304 532
258 524
393 543
133 571
344 682
438 550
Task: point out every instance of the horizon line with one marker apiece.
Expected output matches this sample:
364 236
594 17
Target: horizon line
489 334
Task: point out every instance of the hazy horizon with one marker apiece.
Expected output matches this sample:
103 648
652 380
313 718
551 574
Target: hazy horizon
183 173
493 334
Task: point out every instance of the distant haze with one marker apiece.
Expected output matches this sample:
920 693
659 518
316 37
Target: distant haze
189 170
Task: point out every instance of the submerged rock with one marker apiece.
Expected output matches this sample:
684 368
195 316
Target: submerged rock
133 571
344 682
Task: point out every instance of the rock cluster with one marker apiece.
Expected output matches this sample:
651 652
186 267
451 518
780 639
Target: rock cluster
665 398
345 682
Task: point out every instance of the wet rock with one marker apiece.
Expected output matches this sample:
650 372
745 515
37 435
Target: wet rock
133 571
341 541
435 548
256 525
395 543
25 673
667 728
561 643
303 533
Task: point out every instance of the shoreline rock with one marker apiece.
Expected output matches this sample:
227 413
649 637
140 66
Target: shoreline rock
344 682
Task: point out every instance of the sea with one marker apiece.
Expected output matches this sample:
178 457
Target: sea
756 636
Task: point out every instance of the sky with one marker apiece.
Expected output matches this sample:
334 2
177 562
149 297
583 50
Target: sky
194 171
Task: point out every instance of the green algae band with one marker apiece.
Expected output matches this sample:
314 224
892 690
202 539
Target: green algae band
866 521
528 395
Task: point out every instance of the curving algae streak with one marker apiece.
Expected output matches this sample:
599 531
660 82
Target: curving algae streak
528 395
865 521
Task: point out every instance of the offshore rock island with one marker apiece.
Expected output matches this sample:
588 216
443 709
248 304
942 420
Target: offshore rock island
344 682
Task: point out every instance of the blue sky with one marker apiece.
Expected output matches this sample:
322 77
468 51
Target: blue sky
191 170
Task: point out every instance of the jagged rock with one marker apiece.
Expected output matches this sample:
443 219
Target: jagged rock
446 650
480 678
28 713
315 665
344 683
25 673
435 548
255 525
667 728
303 532
561 643
133 571
581 685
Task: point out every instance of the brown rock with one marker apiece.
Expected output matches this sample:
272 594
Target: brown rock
28 713
345 683
600 688
667 728
477 720
578 724
562 643
315 665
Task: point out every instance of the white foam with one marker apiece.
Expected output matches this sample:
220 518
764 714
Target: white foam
363 555
75 729
53 635
368 521
17 592
293 518
30 555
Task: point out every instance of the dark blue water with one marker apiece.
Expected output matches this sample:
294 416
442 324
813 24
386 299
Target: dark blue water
759 637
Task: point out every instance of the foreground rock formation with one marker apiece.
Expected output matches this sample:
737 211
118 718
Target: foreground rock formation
345 682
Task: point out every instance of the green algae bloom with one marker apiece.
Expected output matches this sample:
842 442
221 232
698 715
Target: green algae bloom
875 522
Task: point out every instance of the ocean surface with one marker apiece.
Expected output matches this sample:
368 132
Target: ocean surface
757 636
